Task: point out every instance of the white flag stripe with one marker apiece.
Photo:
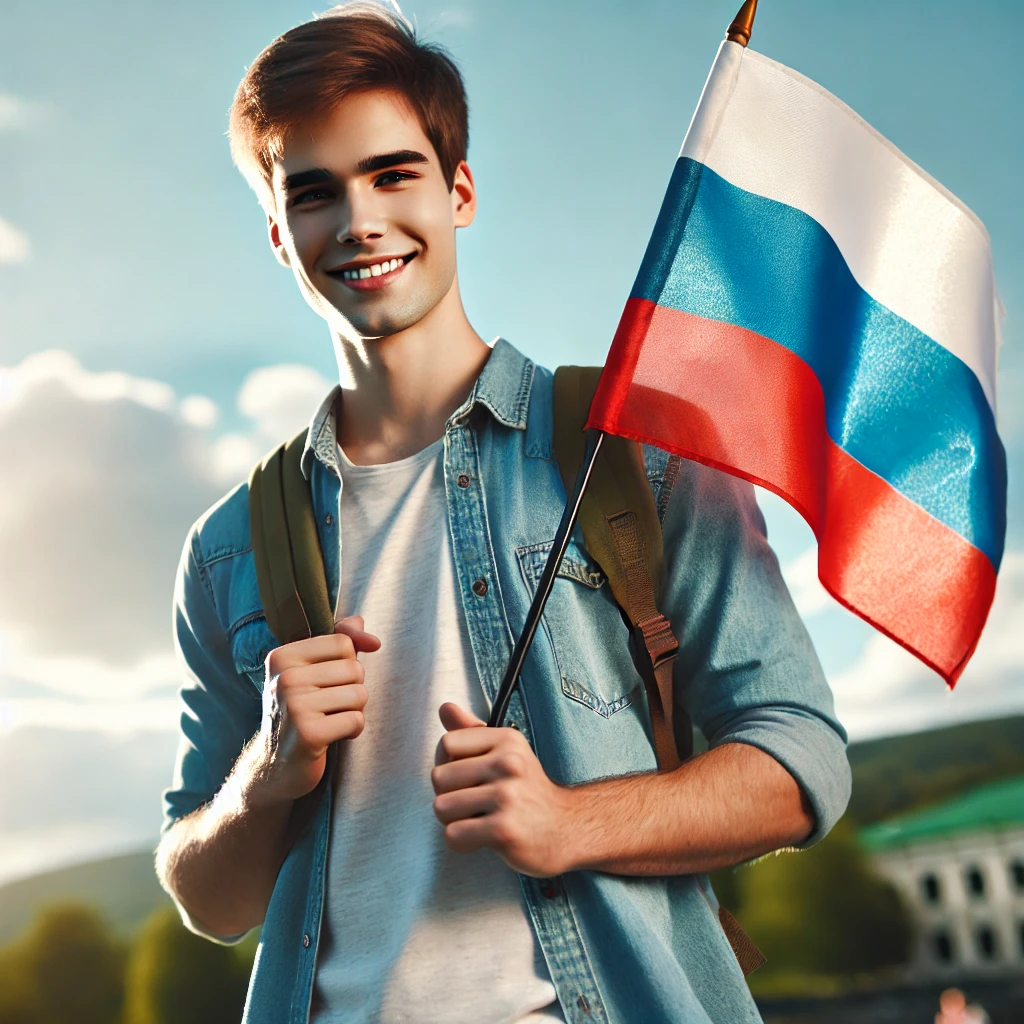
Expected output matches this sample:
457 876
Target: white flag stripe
908 242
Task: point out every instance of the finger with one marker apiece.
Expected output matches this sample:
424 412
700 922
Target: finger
331 647
325 673
473 742
465 803
440 757
472 771
454 717
330 699
352 627
327 729
469 834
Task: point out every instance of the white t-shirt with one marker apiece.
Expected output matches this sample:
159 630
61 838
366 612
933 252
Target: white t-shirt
413 933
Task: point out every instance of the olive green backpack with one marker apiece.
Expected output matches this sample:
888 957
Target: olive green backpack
618 517
621 530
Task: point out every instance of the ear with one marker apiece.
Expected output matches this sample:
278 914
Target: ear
463 196
274 232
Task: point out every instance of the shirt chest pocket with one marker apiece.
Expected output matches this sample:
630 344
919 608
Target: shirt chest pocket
584 627
251 642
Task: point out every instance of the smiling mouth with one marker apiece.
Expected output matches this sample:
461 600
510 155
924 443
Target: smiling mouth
369 270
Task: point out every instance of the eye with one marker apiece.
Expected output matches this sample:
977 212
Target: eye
396 177
311 195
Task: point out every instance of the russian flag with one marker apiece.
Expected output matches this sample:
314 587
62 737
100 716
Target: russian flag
818 315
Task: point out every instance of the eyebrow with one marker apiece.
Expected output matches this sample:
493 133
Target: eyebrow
311 177
369 164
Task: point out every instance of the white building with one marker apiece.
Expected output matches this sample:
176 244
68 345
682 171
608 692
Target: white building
959 867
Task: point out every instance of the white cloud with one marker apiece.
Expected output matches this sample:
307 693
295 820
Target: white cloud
18 114
279 400
199 411
453 17
34 851
114 718
102 479
14 245
801 576
890 691
41 368
103 475
85 676
88 794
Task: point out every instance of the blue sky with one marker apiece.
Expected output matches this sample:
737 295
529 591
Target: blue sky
129 243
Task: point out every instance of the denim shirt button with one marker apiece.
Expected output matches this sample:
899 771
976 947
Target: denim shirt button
480 587
463 480
305 941
328 519
548 888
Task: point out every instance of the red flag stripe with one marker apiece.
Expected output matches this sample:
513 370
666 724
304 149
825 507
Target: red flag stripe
742 403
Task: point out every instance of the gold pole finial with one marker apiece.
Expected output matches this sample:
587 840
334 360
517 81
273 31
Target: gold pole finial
743 24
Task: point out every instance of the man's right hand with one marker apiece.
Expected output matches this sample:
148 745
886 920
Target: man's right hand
314 694
222 861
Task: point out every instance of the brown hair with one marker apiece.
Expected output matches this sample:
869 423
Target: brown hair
350 48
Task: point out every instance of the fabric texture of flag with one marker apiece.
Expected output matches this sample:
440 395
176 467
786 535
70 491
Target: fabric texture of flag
818 315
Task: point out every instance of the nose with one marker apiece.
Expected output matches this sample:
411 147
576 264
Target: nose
362 219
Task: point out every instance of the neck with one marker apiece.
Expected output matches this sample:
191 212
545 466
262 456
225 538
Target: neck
398 391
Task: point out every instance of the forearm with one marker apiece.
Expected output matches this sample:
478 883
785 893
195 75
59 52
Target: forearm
725 806
221 862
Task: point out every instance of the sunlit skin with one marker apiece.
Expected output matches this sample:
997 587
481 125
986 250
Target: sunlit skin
407 358
407 354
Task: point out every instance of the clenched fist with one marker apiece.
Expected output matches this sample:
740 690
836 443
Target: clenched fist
492 791
314 694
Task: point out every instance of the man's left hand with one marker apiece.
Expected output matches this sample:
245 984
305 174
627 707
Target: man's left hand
492 791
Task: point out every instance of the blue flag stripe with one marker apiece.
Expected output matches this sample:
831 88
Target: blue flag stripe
897 401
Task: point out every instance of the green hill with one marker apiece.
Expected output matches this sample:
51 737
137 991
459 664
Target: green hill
124 888
899 773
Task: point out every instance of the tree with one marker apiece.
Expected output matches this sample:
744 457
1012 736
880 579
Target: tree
66 967
823 910
15 994
177 977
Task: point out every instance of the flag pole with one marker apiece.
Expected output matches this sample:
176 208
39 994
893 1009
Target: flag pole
743 24
738 32
570 513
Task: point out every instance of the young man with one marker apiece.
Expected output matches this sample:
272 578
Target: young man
453 873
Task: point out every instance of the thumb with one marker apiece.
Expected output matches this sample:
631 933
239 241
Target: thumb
352 627
454 717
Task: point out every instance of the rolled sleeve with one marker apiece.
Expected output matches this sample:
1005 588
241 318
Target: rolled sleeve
221 709
747 671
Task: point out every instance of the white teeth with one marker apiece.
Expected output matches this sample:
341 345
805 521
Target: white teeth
374 270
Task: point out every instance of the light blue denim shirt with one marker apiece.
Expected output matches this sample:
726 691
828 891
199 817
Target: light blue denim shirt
620 949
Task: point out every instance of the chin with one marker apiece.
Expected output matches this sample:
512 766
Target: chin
381 325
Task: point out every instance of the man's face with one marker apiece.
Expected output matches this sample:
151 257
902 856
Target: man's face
356 191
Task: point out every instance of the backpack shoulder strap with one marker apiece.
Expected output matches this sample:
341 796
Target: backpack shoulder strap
290 574
622 532
286 548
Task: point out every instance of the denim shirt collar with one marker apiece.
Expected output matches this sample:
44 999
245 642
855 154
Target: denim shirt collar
503 388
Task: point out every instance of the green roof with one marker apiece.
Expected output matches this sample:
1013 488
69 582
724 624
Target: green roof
997 805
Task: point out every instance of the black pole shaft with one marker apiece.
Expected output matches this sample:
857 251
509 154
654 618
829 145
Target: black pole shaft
547 578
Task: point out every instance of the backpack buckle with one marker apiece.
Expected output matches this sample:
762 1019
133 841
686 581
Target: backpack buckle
658 638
